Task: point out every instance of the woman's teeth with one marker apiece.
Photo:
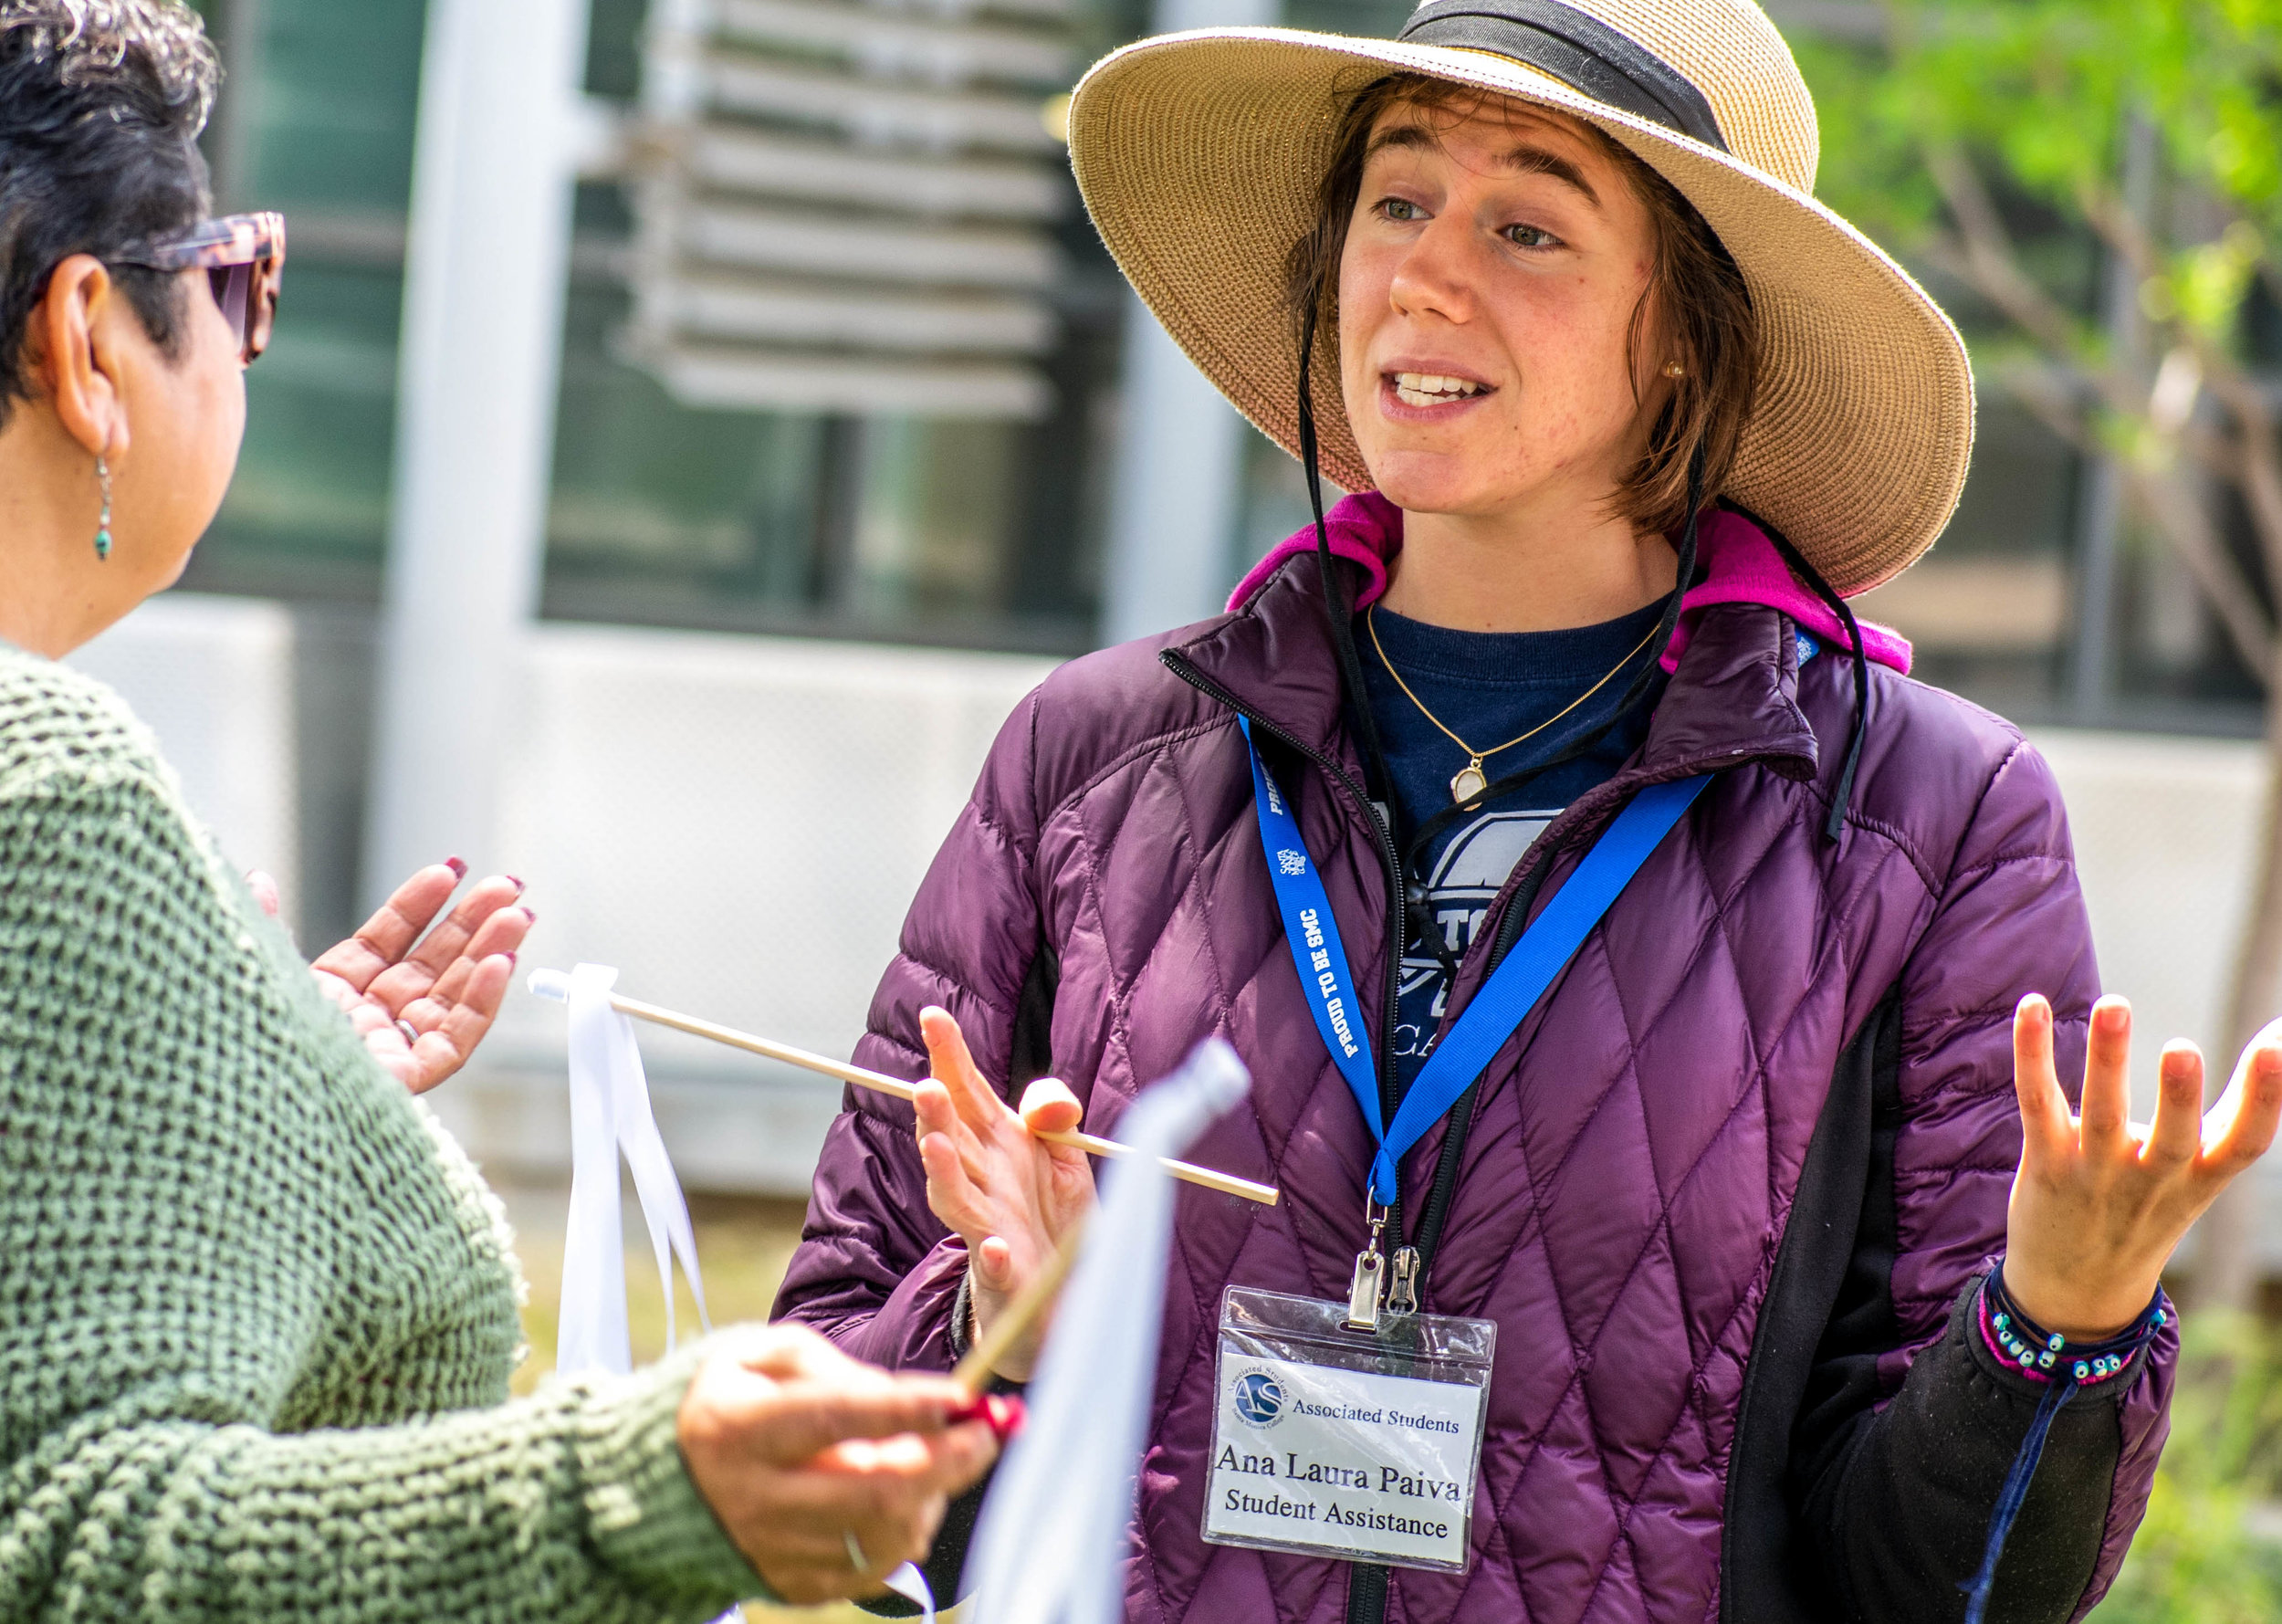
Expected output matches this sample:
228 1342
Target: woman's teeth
1430 389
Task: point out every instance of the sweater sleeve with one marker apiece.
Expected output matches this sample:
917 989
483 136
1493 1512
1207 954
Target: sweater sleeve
875 1270
253 1351
1913 1425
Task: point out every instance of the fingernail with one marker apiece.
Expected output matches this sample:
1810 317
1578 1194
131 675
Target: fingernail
529 916
458 867
517 881
510 961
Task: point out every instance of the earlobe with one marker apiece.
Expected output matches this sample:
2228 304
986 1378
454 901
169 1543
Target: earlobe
76 364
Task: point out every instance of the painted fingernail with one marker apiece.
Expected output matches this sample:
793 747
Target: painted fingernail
457 867
517 881
529 917
510 961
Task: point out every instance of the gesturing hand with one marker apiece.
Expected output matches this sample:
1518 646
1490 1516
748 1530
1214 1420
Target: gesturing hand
826 1473
423 1003
1009 1195
2100 1202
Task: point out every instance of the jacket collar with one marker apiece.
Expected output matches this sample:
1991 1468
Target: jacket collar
1733 697
1738 564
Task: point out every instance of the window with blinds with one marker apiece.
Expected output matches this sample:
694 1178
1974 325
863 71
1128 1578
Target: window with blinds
846 206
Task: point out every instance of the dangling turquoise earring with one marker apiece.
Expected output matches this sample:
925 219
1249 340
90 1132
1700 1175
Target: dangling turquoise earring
103 525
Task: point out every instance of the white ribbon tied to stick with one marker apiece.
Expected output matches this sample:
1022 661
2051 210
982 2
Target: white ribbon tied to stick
610 1113
1052 1537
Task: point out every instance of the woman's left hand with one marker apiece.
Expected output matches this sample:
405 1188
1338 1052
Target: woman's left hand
2100 1202
423 1003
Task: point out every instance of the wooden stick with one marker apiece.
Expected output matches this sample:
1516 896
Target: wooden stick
1093 1144
975 1370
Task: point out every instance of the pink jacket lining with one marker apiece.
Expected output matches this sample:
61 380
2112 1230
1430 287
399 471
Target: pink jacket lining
1741 567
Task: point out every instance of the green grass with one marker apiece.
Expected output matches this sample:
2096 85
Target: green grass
2195 1560
743 1247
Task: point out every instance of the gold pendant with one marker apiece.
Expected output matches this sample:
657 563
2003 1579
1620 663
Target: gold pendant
1467 786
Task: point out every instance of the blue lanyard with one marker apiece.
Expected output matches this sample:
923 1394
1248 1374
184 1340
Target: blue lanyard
1511 992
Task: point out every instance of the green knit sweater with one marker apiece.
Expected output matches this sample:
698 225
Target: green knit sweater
258 1312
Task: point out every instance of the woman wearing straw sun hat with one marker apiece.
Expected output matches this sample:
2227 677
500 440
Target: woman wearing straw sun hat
1669 1022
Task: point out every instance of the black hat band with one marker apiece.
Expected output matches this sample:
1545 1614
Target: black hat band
1579 49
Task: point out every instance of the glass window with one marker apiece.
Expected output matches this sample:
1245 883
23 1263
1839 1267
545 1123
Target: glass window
972 533
885 525
317 119
307 516
666 514
332 103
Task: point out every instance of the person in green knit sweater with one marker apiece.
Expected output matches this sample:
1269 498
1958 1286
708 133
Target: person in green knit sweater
258 1312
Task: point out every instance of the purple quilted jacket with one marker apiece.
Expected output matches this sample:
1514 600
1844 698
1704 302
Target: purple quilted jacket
1629 1179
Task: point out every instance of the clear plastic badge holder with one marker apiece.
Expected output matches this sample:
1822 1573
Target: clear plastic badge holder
1331 1442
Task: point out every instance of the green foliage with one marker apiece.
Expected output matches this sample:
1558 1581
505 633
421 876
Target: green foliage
2039 93
2197 1560
2046 84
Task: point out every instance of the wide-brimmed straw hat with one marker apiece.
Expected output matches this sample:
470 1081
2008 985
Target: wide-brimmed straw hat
1201 155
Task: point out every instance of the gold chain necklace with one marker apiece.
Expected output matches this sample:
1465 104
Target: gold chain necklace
1468 783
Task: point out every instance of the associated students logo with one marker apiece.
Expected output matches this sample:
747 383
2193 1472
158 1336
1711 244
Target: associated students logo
1259 1399
1292 861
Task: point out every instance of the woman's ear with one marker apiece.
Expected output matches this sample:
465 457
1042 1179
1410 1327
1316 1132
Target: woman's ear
76 353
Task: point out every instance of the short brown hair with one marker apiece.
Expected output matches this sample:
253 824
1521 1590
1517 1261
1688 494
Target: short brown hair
1694 286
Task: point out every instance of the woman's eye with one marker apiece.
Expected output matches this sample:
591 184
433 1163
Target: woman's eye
1400 208
1529 237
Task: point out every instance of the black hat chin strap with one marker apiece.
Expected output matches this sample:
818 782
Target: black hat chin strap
1339 609
1337 606
1842 794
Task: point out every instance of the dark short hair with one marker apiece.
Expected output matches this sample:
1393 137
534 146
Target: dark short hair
1695 287
102 102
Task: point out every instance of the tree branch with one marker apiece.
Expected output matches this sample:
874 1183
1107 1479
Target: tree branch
1989 261
2258 473
2185 522
2175 510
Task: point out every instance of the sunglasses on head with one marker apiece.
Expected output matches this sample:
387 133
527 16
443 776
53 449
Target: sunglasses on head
243 258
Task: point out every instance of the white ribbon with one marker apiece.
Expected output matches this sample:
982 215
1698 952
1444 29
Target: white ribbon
910 1584
610 1114
1052 1542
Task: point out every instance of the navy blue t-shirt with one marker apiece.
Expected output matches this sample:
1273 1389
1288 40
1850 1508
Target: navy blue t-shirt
1487 686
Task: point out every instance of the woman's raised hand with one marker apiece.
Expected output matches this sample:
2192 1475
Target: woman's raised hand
422 1004
826 1473
1007 1194
2100 1202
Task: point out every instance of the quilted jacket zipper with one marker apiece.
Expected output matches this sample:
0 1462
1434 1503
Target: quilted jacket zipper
1366 1589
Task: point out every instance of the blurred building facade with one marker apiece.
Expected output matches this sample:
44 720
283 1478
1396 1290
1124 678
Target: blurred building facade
850 432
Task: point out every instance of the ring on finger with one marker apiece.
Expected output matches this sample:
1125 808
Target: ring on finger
856 1558
411 1032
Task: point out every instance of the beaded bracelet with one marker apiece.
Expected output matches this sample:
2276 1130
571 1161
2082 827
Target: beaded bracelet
2020 1343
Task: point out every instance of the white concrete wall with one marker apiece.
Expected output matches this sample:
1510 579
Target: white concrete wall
738 824
2166 837
213 678
2165 833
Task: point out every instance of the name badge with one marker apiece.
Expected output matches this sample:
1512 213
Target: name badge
1331 1442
